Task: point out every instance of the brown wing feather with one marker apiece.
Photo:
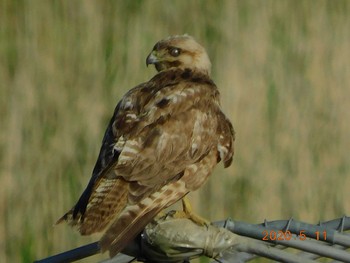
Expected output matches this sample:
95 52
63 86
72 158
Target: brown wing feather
135 217
162 134
107 201
226 136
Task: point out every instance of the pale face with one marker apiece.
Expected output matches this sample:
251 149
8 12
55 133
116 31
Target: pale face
180 52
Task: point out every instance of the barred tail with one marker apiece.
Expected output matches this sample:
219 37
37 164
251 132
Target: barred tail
134 218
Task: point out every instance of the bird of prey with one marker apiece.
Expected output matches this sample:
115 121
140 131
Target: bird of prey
163 141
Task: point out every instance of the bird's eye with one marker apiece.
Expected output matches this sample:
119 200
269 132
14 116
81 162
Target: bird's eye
175 52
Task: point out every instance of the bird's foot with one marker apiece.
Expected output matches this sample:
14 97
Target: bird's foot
187 212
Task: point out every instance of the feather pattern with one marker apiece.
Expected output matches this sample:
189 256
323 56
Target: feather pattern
163 140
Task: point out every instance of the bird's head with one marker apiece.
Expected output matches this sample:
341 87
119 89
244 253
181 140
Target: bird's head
179 52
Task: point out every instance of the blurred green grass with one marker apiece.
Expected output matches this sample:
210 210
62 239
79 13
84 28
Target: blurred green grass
283 70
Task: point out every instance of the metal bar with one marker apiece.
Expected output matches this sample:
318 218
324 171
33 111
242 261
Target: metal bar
73 255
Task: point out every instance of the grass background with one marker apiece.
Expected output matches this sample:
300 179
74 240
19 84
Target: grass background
283 69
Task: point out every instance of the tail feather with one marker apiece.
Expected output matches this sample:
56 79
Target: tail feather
106 201
67 217
108 241
134 218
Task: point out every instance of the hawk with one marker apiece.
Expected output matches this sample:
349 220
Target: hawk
163 141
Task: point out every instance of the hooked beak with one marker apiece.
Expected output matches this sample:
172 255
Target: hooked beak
151 59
